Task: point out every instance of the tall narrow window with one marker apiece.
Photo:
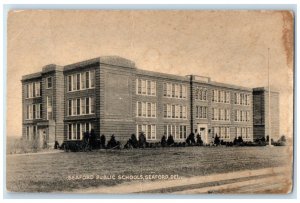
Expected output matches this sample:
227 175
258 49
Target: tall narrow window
37 89
27 90
139 86
144 109
153 109
92 105
173 90
27 111
49 108
165 111
78 107
169 109
92 78
69 107
74 107
153 88
165 89
87 79
41 110
77 81
148 109
70 131
74 132
49 82
83 80
37 113
144 87
87 105
78 131
83 106
70 83
148 87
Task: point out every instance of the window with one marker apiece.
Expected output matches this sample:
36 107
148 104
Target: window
49 108
49 82
153 88
227 97
201 112
38 111
70 131
146 109
28 132
81 81
165 107
169 90
149 130
92 78
143 86
81 106
227 112
169 109
70 83
176 91
148 87
165 89
87 105
87 79
74 104
38 89
92 104
69 107
153 109
182 132
30 113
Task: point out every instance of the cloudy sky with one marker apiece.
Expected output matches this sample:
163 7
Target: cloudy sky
228 46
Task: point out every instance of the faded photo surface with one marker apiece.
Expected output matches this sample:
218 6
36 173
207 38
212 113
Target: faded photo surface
176 102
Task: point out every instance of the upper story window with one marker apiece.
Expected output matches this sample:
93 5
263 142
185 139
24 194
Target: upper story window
201 112
145 87
33 111
33 90
242 99
220 96
81 106
174 90
201 94
242 116
49 82
146 109
81 81
219 114
175 111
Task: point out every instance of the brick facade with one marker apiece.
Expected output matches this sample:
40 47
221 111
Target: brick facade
111 96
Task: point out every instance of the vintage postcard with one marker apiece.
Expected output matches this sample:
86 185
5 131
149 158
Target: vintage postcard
150 101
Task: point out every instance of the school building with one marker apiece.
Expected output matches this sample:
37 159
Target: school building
112 96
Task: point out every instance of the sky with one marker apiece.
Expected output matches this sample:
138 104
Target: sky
228 46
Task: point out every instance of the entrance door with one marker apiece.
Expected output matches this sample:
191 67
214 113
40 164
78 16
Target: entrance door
202 129
42 137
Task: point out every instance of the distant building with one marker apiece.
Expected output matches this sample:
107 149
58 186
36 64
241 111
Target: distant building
110 95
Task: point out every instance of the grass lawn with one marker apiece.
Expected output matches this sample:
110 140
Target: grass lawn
49 172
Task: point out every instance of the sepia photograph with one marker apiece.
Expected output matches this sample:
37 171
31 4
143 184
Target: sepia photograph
185 102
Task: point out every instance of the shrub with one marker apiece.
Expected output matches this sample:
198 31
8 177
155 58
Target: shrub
170 141
217 140
142 140
191 139
163 141
112 143
199 140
